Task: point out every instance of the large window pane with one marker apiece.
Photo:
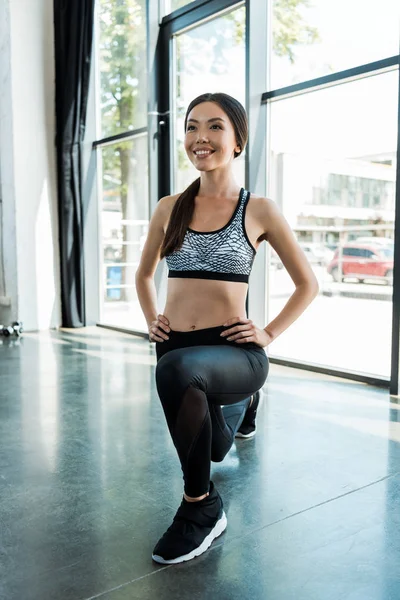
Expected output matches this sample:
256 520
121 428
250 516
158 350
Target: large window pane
175 4
316 38
168 6
332 172
209 58
122 64
124 225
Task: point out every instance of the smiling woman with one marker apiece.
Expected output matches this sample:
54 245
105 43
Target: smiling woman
211 361
193 124
212 141
221 43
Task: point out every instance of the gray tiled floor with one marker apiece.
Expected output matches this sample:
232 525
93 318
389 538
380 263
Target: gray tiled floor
89 480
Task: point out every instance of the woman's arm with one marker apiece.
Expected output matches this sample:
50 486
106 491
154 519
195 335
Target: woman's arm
147 295
279 234
295 306
144 278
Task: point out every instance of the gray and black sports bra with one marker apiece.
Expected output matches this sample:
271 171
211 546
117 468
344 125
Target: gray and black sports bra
225 254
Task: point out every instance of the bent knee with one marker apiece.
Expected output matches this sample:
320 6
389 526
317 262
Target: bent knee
176 369
218 455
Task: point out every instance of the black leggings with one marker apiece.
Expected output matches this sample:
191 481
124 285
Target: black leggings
196 373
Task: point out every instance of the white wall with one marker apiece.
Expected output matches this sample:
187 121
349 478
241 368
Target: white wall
28 163
8 245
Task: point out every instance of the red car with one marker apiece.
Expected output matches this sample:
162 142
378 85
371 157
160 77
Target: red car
363 261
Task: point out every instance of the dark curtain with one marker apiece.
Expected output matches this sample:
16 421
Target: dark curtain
73 32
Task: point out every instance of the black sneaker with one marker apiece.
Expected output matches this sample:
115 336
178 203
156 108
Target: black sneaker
195 526
248 426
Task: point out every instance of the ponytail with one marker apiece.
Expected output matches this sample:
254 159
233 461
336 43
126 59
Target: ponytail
180 219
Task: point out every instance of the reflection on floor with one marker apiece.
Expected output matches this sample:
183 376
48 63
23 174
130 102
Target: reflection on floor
89 480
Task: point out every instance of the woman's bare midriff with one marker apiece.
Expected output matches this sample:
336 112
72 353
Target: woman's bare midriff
194 304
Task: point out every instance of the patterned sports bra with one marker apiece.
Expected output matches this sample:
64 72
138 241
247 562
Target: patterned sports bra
225 254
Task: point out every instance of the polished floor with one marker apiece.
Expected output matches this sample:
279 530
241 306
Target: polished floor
89 480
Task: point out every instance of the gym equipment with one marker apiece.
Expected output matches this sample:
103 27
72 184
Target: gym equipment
18 327
10 330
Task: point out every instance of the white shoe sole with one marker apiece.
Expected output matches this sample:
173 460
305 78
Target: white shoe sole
245 436
220 526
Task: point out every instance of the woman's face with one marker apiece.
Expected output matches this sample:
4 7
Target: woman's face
210 140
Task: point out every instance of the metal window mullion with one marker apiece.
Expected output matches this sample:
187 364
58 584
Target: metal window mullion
326 81
173 150
125 136
395 353
195 12
257 12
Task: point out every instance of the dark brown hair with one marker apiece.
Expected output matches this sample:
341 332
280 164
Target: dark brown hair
182 212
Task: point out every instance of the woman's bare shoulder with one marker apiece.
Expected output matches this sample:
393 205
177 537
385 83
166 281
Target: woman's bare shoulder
261 207
167 202
165 205
260 201
266 213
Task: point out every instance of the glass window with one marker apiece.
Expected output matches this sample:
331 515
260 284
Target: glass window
325 36
169 6
352 252
333 138
387 252
175 4
122 65
124 226
211 57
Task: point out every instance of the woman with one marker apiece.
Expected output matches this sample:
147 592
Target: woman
209 355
